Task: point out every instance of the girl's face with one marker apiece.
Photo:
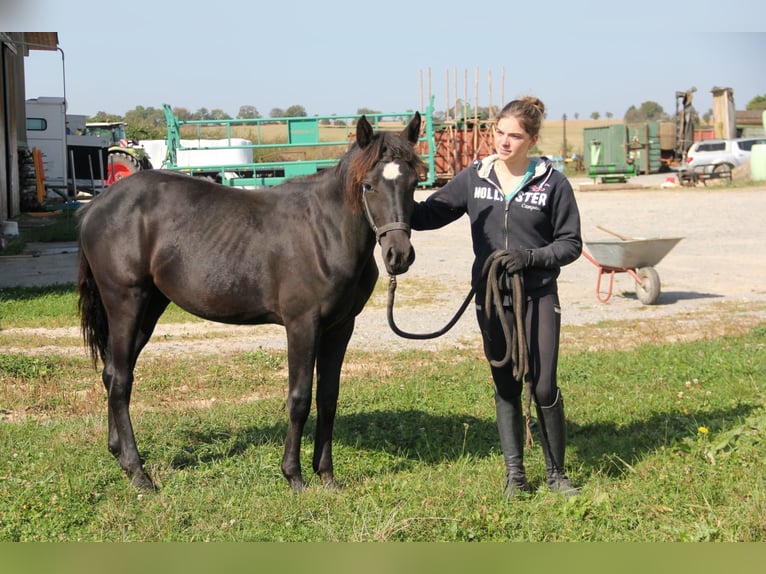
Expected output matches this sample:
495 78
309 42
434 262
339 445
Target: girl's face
511 141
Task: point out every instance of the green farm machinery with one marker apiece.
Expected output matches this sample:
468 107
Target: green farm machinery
262 152
124 156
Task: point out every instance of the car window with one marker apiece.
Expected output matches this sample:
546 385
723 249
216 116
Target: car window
712 146
747 145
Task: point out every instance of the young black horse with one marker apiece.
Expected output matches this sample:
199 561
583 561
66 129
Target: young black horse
299 255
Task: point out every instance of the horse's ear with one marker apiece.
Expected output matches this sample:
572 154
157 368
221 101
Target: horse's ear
363 132
412 131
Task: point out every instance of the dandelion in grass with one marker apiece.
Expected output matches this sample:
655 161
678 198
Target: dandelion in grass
702 431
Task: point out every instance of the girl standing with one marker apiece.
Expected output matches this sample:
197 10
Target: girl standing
522 207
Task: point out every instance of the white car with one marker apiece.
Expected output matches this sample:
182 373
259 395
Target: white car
720 155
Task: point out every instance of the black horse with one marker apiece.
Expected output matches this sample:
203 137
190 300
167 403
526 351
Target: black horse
299 255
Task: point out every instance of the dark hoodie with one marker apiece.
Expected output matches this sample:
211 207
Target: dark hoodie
542 217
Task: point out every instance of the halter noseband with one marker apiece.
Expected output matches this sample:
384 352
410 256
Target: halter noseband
380 231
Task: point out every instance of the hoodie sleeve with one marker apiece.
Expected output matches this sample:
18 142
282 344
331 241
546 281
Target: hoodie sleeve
443 206
567 240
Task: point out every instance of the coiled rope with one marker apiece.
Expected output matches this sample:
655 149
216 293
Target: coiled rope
515 339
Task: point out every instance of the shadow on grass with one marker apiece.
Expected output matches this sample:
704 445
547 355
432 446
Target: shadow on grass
32 293
596 445
413 437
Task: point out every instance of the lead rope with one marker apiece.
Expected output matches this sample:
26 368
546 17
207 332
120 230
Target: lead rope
516 344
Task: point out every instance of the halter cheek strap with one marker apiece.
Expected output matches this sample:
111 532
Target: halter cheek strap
380 231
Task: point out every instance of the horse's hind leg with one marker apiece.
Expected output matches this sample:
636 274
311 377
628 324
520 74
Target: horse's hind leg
126 339
154 309
332 350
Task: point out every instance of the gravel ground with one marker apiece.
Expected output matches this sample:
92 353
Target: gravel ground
721 259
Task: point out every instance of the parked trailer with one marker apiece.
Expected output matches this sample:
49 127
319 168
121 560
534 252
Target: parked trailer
69 160
197 155
79 155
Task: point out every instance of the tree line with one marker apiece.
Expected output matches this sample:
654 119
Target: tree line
149 123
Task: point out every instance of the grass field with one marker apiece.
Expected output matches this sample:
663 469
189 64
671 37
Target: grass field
666 441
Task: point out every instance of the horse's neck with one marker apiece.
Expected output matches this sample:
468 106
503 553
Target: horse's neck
356 235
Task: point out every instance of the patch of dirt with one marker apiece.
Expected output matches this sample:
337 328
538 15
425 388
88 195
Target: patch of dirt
713 282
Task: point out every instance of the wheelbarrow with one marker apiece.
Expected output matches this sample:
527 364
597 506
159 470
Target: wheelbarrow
632 255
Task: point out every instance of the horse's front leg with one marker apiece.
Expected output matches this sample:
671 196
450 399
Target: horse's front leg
301 357
332 350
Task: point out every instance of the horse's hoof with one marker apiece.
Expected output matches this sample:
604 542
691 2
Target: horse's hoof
332 485
297 485
143 483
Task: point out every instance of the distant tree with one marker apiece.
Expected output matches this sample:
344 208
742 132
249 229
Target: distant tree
595 115
339 122
485 112
577 115
367 111
631 115
295 111
150 117
182 114
609 115
277 113
105 117
201 114
757 103
649 111
707 117
248 112
145 123
144 132
219 114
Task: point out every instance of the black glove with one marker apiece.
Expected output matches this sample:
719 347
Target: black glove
515 260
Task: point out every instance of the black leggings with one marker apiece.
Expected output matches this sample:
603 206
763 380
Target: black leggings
543 325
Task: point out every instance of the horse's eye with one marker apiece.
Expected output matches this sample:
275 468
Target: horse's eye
366 187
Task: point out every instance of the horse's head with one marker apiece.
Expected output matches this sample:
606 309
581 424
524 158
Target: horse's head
388 183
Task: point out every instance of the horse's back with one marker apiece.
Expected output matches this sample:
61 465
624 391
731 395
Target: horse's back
222 253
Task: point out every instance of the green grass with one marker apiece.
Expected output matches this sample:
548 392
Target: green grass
54 306
667 442
56 227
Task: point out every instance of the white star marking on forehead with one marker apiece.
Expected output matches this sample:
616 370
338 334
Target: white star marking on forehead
391 171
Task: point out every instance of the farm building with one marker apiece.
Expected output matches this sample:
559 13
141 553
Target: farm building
15 47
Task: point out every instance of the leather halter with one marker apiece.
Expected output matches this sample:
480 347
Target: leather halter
380 231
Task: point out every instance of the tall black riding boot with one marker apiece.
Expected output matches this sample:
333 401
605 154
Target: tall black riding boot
510 425
553 440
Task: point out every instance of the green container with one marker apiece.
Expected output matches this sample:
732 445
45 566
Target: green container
619 144
643 145
604 145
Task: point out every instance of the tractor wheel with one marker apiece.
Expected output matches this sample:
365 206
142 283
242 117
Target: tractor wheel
120 165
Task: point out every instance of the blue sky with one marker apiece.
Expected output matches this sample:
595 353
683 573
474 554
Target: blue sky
335 57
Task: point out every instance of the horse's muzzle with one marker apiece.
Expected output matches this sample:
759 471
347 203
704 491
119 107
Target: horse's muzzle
397 252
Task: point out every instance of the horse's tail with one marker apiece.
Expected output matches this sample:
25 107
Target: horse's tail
95 327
